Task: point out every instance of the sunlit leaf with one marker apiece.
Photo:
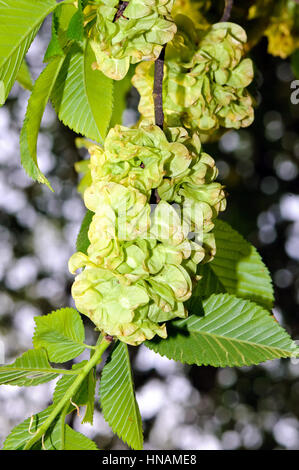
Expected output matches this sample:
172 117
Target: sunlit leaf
19 23
23 432
61 333
118 401
32 368
83 97
74 440
226 331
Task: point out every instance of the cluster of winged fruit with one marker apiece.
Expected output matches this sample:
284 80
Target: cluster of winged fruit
126 33
142 259
206 76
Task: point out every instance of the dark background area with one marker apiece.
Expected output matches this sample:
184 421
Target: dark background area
182 407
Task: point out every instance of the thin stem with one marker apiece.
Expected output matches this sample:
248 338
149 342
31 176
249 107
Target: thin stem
94 360
158 104
227 10
158 89
120 10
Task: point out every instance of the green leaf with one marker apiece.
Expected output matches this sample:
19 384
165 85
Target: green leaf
121 89
24 76
35 110
76 441
54 48
118 401
295 63
227 332
82 239
75 30
81 397
64 13
32 368
2 93
61 333
54 437
19 22
57 437
237 269
91 388
21 433
83 97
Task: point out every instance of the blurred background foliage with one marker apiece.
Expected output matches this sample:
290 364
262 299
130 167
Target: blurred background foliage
182 407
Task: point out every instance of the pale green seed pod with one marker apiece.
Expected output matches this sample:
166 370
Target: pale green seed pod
137 33
206 76
141 262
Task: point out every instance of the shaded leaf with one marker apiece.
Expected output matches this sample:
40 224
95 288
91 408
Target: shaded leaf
91 388
295 63
54 48
24 76
121 89
237 269
81 397
82 239
35 110
75 30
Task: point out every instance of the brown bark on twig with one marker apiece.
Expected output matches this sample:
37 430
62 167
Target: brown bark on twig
120 11
227 10
158 89
158 102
